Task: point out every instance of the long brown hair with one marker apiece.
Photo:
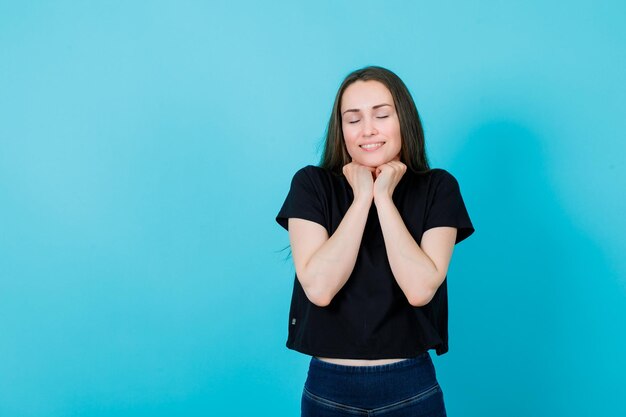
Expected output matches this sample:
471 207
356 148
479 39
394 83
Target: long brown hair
412 152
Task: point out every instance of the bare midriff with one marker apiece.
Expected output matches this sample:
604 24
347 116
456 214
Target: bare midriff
359 362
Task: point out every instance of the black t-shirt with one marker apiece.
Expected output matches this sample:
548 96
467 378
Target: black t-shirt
370 317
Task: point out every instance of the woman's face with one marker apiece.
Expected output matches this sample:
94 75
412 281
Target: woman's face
370 124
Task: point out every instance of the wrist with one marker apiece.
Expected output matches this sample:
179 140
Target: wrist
363 201
382 200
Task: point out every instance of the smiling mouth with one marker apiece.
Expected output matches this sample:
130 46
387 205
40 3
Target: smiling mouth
372 146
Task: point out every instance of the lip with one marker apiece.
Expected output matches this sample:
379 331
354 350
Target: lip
369 143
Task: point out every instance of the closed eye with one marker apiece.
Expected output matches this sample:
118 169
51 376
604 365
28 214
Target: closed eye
378 117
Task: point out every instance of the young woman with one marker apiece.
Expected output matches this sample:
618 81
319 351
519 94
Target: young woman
372 230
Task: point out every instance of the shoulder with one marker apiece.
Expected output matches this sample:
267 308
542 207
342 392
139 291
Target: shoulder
310 170
442 177
313 180
313 173
315 170
440 173
432 178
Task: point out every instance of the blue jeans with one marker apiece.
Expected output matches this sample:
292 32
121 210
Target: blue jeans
405 388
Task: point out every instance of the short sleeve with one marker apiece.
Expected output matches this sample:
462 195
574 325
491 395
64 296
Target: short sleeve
305 198
447 208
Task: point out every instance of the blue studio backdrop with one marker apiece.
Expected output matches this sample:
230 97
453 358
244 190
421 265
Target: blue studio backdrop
146 147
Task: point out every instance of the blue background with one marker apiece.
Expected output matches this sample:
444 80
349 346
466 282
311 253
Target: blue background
146 148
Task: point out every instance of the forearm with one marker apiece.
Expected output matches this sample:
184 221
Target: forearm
414 271
331 265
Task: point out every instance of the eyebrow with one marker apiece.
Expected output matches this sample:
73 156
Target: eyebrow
373 107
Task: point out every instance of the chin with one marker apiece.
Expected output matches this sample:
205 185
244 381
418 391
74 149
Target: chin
374 163
368 164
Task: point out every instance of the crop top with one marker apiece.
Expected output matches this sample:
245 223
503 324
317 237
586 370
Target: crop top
370 317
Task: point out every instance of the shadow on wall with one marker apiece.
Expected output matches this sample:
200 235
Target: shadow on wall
541 312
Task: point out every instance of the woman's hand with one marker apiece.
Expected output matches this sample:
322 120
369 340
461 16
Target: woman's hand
361 180
387 177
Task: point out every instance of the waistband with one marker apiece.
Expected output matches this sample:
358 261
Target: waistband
417 360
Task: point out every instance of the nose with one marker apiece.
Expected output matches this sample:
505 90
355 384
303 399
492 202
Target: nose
368 127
